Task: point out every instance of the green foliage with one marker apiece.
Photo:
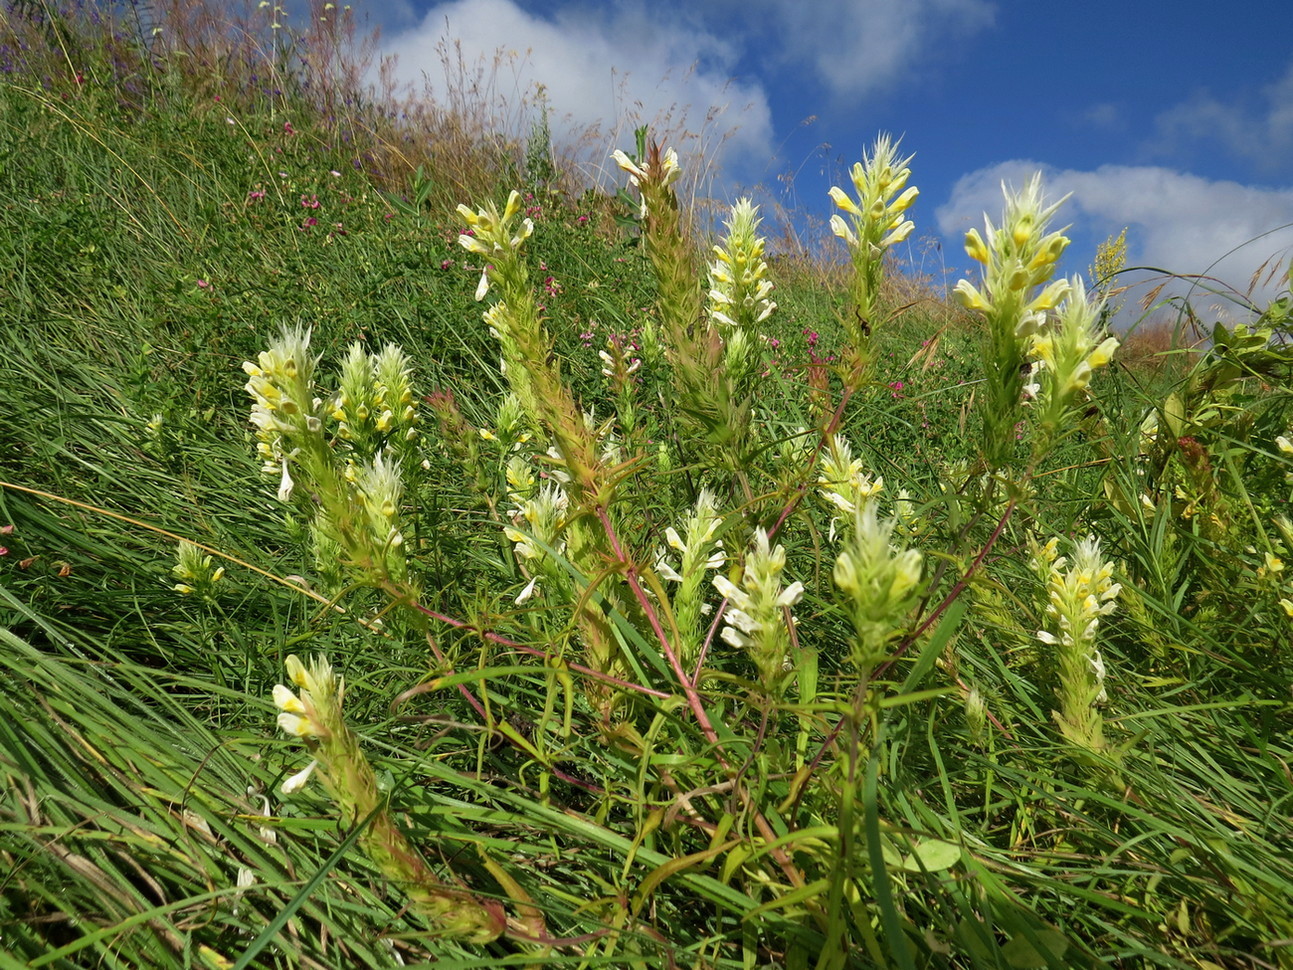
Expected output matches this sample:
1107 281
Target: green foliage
551 724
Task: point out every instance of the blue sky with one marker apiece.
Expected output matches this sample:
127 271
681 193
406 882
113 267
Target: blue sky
1172 119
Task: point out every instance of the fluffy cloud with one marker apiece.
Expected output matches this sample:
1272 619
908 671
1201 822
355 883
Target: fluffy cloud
608 70
1262 135
864 47
1176 221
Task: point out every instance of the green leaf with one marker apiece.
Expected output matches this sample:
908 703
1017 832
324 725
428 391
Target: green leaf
933 855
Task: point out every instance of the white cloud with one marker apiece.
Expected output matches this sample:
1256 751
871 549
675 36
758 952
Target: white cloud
868 46
610 70
1262 135
1105 115
1176 221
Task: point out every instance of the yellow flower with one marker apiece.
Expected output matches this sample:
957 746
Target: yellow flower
976 248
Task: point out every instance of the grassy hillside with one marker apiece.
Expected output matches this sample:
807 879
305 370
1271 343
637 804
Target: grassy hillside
702 632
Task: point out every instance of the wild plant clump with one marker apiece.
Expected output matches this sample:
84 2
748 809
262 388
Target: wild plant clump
764 647
554 585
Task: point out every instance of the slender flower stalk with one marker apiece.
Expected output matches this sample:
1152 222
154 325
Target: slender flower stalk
1014 297
552 413
311 710
515 322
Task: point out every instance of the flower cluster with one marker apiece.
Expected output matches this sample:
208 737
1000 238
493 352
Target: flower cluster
738 287
494 236
842 482
1078 595
618 362
1068 350
542 516
1018 260
655 174
378 488
699 549
374 405
882 583
281 386
194 571
878 219
756 610
1017 257
312 714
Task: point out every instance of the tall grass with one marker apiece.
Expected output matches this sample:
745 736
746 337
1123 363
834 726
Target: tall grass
548 750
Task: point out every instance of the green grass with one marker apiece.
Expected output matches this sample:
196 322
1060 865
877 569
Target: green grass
876 819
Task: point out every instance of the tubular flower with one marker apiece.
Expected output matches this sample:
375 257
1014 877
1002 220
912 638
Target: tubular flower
755 616
1077 597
